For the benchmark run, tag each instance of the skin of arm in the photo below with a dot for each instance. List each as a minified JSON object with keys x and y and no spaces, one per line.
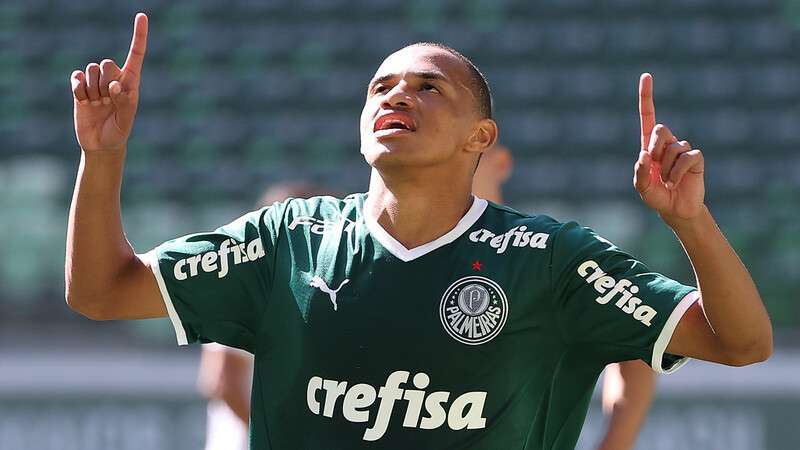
{"x":222,"y":376}
{"x":729,"y":324}
{"x":628,"y":389}
{"x":104,"y":278}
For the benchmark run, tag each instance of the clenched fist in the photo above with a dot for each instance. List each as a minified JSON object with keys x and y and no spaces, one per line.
{"x":669,"y":173}
{"x":105,"y":97}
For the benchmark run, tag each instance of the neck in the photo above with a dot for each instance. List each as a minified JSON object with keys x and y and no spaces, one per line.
{"x":418,"y":210}
{"x":489,"y":191}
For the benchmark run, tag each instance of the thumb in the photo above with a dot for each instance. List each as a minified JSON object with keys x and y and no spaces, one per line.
{"x":123,"y":103}
{"x":641,"y":172}
{"x":115,"y":92}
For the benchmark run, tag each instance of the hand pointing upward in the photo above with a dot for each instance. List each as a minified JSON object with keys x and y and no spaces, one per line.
{"x":669,"y":173}
{"x":106,"y":97}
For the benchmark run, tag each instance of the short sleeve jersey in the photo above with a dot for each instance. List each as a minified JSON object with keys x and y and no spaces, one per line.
{"x":489,"y":337}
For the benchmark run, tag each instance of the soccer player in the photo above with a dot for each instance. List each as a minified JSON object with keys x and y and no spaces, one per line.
{"x":628,"y":386}
{"x":415,"y":315}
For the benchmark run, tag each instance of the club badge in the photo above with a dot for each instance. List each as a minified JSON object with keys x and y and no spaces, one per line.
{"x":473,"y":310}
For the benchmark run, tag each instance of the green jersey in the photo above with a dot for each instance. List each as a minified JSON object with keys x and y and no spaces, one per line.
{"x":489,"y":337}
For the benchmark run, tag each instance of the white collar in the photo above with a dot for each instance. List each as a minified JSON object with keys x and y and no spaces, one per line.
{"x":401,"y":252}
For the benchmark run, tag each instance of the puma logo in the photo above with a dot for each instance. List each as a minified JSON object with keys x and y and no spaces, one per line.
{"x":318,"y":282}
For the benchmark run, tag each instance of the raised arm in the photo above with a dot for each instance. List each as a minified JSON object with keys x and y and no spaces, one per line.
{"x":729,"y":324}
{"x":105,"y":279}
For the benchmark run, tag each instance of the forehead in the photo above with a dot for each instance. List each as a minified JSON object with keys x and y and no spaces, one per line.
{"x":421,"y":58}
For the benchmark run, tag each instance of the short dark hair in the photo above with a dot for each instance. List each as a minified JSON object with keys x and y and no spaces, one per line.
{"x":477,"y":82}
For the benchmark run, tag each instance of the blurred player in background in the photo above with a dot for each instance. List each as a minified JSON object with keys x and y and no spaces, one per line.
{"x":628,"y":386}
{"x":415,"y":314}
{"x":226,"y":373}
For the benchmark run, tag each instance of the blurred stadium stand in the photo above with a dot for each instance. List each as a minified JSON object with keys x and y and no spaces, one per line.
{"x":237,"y":95}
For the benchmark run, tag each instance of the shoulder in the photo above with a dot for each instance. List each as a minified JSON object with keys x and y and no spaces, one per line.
{"x":502,"y":228}
{"x":546,"y":231}
{"x":319,"y":211}
{"x":504,"y":216}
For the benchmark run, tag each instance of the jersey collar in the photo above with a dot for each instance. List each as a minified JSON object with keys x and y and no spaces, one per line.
{"x":402,"y":253}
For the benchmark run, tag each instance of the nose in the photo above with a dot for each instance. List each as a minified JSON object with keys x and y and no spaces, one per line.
{"x":398,"y":98}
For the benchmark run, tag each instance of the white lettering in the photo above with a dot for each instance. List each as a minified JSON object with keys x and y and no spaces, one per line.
{"x":602,"y":284}
{"x":591,"y":272}
{"x":193,"y":261}
{"x":314,"y":385}
{"x":515,"y":237}
{"x":333,"y":390}
{"x":180,"y":275}
{"x":456,"y":419}
{"x":631,"y":305}
{"x":359,"y":396}
{"x":539,"y":240}
{"x":223,"y":258}
{"x":415,"y":398}
{"x":217,"y":260}
{"x":209,"y":262}
{"x":644,"y":314}
{"x":619,"y":287}
{"x":465,"y":412}
{"x":583,"y":269}
{"x":436,"y":413}
{"x":255,"y":249}
{"x":388,"y":394}
{"x":518,"y":236}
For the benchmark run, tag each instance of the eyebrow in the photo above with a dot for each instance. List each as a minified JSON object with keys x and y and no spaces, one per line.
{"x":425,"y":75}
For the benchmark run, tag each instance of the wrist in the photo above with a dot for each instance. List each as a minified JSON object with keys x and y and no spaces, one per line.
{"x":108,"y":152}
{"x":113,"y":157}
{"x":694,"y":224}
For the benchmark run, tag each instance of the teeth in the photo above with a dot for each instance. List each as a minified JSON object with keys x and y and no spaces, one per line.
{"x":392,"y":123}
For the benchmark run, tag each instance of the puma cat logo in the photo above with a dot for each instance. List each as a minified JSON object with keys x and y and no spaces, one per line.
{"x":318,"y":282}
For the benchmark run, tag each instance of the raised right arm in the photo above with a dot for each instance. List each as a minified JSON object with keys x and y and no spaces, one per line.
{"x":105,"y":279}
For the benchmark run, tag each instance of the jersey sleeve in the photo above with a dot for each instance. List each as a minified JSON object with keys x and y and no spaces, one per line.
{"x":215,"y":285}
{"x":612,"y":305}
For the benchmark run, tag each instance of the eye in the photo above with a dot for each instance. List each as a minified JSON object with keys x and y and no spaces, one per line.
{"x":379,"y":89}
{"x":429,"y":87}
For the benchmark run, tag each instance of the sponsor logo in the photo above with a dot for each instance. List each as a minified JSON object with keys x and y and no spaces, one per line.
{"x":473,"y":310}
{"x":515,"y":237}
{"x":608,"y":288}
{"x":319,"y":226}
{"x":320,"y":284}
{"x":464,"y":412}
{"x":218,"y":260}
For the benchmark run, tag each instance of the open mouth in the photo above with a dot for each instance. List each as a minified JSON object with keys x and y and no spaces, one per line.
{"x":393,"y":123}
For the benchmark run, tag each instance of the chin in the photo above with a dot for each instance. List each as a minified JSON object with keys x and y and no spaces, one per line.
{"x":382,"y":156}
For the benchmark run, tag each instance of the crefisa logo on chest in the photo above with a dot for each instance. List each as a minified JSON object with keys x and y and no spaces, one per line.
{"x":473,"y":310}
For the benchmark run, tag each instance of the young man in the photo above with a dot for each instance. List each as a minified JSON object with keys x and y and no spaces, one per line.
{"x":416,"y":315}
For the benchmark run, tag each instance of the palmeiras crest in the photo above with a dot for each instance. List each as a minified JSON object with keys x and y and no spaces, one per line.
{"x":473,"y":310}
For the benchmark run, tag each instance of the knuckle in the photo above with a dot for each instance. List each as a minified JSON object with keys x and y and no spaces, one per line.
{"x":673,"y":149}
{"x":661,"y":129}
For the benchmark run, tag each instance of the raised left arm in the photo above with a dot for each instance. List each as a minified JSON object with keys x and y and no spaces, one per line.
{"x":729,"y":323}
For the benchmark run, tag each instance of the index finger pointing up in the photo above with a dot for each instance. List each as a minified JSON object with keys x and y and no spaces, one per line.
{"x":647,"y":110}
{"x":138,"y":46}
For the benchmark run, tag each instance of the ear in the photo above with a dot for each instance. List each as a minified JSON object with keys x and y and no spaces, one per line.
{"x":483,"y":136}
